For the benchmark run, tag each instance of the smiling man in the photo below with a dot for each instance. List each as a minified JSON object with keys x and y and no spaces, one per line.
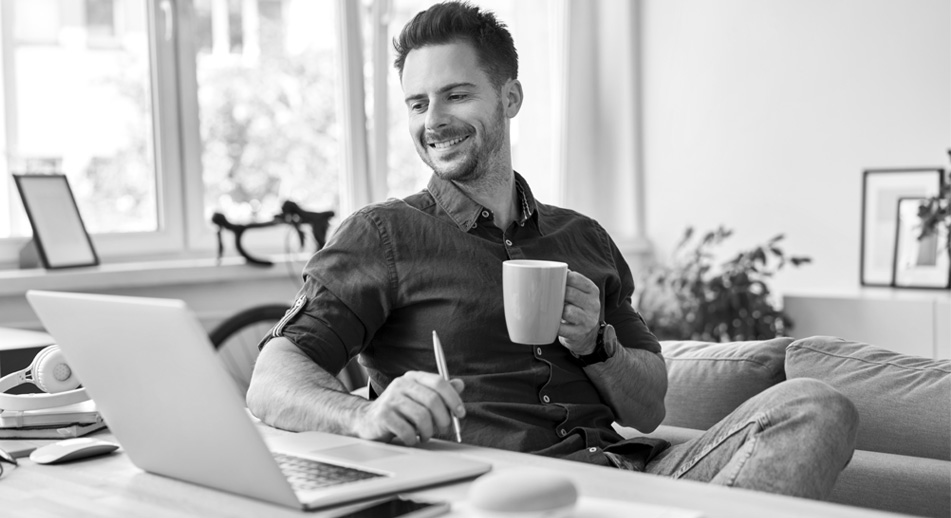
{"x":459,"y":120}
{"x":460,"y":133}
{"x":397,"y":271}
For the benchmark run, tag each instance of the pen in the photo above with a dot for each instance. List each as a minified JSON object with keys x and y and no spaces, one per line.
{"x":444,"y":372}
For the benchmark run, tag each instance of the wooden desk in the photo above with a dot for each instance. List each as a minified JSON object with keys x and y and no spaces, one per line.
{"x":112,"y":486}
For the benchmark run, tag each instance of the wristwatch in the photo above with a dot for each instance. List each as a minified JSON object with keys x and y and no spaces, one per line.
{"x":600,"y":352}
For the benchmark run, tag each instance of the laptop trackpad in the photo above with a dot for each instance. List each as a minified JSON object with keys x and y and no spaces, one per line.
{"x":359,"y":452}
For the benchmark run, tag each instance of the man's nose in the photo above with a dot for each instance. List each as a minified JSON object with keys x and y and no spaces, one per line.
{"x":436,"y":116}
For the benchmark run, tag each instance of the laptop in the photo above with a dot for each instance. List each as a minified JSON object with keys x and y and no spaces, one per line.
{"x":170,"y":402}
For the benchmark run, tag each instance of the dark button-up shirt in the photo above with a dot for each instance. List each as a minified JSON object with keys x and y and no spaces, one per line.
{"x":397,"y":270}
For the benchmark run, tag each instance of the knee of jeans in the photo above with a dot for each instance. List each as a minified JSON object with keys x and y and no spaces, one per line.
{"x":832,"y":409}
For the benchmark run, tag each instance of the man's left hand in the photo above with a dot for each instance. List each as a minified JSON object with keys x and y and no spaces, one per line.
{"x":581,"y":316}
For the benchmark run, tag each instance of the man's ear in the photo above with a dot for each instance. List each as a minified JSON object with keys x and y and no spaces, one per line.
{"x":512,"y":97}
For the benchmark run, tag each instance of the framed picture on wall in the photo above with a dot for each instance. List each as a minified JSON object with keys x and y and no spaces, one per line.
{"x":920,"y":261}
{"x":881,"y":191}
{"x":59,"y":234}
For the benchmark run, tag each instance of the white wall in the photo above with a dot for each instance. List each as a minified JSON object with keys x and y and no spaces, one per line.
{"x":761,"y":115}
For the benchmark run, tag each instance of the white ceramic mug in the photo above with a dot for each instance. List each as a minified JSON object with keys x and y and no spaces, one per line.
{"x":534,"y":298}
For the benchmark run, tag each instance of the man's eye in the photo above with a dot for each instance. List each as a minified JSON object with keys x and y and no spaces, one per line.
{"x":417,"y":107}
{"x":457,"y":97}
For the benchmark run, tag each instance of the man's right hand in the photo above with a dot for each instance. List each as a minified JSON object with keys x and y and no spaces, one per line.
{"x":414,"y":408}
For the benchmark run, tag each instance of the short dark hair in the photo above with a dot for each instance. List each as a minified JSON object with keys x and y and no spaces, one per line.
{"x":448,"y":22}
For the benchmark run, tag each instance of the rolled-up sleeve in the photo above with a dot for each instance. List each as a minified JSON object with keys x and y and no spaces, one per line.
{"x":346,"y":295}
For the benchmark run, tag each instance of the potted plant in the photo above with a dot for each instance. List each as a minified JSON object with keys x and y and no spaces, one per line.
{"x":693,"y":298}
{"x":935,"y":212}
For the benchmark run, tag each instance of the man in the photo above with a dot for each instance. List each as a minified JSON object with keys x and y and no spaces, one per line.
{"x":396,"y":271}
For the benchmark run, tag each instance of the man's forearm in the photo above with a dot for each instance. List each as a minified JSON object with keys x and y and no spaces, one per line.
{"x":291,"y":392}
{"x":634,"y":383}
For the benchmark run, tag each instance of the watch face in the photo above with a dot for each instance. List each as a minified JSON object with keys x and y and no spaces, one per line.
{"x":600,"y":341}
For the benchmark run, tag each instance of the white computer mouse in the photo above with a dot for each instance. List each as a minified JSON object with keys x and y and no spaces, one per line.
{"x":522,"y":493}
{"x":72,"y":449}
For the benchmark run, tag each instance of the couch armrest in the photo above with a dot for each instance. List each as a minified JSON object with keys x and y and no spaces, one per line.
{"x":884,"y":481}
{"x":896,"y":483}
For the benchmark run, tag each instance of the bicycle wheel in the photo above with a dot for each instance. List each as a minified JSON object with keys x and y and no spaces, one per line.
{"x":237,"y":338}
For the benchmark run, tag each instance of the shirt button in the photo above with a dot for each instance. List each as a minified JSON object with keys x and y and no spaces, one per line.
{"x":546,"y":399}
{"x":539,"y":351}
{"x":474,"y":225}
{"x":592,"y":449}
{"x":485,"y":214}
{"x":562,"y":432}
{"x":508,"y":242}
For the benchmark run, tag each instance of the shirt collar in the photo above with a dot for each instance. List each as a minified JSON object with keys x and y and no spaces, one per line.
{"x":464,"y":211}
{"x":527,"y":198}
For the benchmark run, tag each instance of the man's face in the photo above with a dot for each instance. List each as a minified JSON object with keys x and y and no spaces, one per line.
{"x":456,"y":117}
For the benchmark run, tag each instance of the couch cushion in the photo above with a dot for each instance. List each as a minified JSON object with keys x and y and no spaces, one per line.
{"x":707,"y":381}
{"x":904,"y":402}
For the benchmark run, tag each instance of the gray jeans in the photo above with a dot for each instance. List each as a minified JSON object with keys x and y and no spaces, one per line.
{"x":792,"y":439}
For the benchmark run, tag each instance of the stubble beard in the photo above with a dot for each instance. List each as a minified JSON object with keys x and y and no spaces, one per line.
{"x":478,"y":163}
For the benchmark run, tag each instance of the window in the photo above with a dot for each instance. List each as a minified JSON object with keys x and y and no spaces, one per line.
{"x":162,"y":112}
{"x":267,"y":106}
{"x":100,"y":22}
{"x":80,"y":110}
{"x":87,"y":100}
{"x":96,"y":90}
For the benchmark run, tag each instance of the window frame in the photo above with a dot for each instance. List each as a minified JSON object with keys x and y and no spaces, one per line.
{"x":182,"y":227}
{"x":169,"y":236}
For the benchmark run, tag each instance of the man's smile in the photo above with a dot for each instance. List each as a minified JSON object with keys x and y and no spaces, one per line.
{"x":446,"y":144}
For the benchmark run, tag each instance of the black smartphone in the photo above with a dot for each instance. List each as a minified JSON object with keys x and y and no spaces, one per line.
{"x":401,"y":507}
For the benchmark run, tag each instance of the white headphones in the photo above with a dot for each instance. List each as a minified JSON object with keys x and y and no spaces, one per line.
{"x":49,"y":373}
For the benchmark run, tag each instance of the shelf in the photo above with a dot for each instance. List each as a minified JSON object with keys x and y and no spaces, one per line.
{"x":213,"y":290}
{"x":145,"y":274}
{"x":916,"y":322}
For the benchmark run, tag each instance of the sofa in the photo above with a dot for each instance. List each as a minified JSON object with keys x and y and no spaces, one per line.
{"x":902,"y":461}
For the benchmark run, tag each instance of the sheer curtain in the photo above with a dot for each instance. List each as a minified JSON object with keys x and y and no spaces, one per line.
{"x":358,"y":189}
{"x":601,"y":129}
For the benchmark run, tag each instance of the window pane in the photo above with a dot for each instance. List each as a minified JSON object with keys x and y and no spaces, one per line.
{"x":77,"y":100}
{"x":267,"y":105}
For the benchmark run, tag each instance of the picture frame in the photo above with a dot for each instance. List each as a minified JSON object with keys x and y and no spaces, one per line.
{"x":919,"y":262}
{"x":881,"y":190}
{"x":59,"y":233}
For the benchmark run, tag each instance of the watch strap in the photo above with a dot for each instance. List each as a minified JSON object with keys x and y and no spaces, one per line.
{"x":599,"y":354}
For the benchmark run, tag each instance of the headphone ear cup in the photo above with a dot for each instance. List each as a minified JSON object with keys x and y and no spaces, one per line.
{"x":51,"y":373}
{"x":34,"y":369}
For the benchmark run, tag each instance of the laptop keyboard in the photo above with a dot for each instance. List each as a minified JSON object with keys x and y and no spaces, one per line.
{"x":306,"y":474}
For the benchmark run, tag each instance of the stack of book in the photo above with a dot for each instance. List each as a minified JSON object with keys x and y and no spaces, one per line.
{"x":51,"y":423}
